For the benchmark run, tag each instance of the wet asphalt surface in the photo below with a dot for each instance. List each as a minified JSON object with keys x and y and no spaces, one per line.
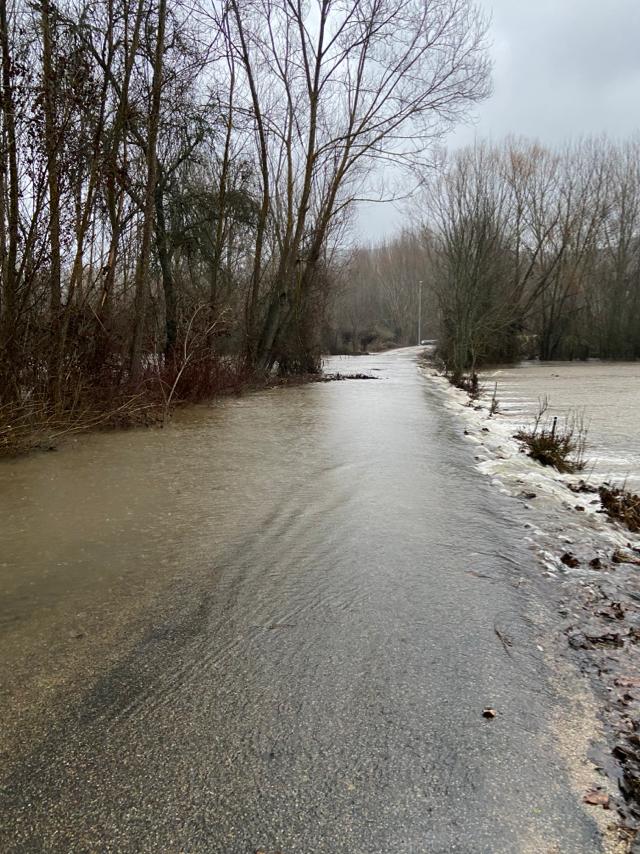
{"x":312,"y":677}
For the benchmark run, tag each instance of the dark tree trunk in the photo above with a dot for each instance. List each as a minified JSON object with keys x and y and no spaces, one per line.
{"x":168,"y":285}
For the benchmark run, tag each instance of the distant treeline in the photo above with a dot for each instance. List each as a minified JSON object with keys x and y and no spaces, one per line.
{"x":376,"y":298}
{"x":522,"y":251}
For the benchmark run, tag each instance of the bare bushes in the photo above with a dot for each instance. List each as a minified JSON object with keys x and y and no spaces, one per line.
{"x":467,"y":382}
{"x":34,"y":423}
{"x":509,"y":280}
{"x":561,"y":446}
{"x":31,"y":424}
{"x":93,"y":390}
{"x":494,"y":406}
{"x":622,"y":505}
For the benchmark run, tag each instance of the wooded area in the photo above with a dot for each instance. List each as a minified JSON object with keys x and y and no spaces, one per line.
{"x":175,"y":180}
{"x":521,"y":251}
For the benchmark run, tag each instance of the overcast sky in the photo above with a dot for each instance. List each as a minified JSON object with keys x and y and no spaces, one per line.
{"x":562,"y":69}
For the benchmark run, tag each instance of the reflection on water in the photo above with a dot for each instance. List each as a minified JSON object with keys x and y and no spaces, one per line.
{"x":272,"y":623}
{"x":274,"y":491}
{"x":608,"y":393}
{"x":285,"y":500}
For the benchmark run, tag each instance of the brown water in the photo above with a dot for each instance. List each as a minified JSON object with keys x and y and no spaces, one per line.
{"x":606,"y":394}
{"x":91,"y":533}
{"x":274,"y":625}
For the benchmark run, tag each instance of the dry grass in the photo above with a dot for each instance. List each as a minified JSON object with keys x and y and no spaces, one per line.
{"x":560,"y":446}
{"x":622,"y":505}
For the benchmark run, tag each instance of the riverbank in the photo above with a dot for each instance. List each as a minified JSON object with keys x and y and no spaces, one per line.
{"x":42,"y":418}
{"x":590,"y":559}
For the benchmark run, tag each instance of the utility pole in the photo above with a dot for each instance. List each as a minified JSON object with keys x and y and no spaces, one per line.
{"x":419,"y":312}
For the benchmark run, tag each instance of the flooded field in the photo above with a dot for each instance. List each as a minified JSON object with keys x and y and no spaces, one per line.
{"x":605,"y":394}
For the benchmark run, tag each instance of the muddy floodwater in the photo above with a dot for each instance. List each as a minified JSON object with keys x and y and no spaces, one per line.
{"x":274,"y":625}
{"x":605,"y":394}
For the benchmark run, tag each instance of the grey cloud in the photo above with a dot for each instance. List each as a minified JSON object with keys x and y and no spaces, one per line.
{"x":562,"y":69}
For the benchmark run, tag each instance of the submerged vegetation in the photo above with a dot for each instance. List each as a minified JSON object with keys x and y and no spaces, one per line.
{"x":467,"y":382}
{"x":558,"y":445}
{"x":33,"y":424}
{"x":622,"y":505}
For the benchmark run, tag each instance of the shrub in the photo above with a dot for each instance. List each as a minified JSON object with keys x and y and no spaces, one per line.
{"x":27,"y":425}
{"x":622,"y":505}
{"x":494,"y":406}
{"x":467,"y":382}
{"x":560,"y":446}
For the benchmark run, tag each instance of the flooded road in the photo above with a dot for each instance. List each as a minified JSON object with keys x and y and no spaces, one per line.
{"x":273,"y":626}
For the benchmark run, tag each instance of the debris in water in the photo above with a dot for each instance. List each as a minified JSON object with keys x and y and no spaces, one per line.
{"x":582,"y":486}
{"x":623,"y":557}
{"x":615,"y":611}
{"x":613,"y":639}
{"x":338,"y":377}
{"x":622,"y":505}
{"x":489,"y":713}
{"x":504,"y":639}
{"x":627,"y":681}
{"x":593,"y":635}
{"x":596,"y":797}
{"x":479,"y":574}
{"x":577,"y":639}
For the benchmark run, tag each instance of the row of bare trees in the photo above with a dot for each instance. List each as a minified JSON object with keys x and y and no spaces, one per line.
{"x":537,"y":248}
{"x":379,"y":296}
{"x":528,"y":251}
{"x":177,"y":178}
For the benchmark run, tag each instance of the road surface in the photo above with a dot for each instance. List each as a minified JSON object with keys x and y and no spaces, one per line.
{"x":274,"y":627}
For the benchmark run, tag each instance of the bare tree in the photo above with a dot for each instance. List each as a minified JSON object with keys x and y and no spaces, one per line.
{"x":9,"y":215}
{"x":342,"y":87}
{"x":531,"y":245}
{"x":142,"y":267}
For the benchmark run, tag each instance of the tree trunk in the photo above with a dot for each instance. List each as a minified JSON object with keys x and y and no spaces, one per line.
{"x":142,"y":266}
{"x":51,"y":147}
{"x":10,"y":214}
{"x":168,"y":285}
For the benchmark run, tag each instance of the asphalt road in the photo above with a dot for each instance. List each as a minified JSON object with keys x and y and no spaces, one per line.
{"x":286,"y":646}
